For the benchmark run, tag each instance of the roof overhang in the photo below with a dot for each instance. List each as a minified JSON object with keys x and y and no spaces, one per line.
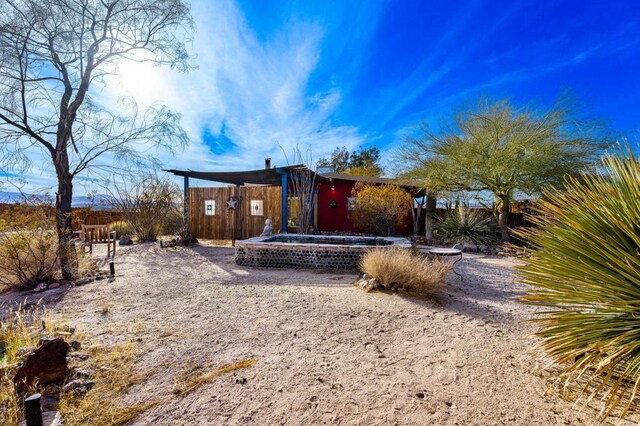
{"x":271,"y":176}
{"x":416,"y":190}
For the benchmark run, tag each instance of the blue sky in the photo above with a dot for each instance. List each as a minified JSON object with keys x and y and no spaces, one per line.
{"x":273,"y":74}
{"x":396,"y":63}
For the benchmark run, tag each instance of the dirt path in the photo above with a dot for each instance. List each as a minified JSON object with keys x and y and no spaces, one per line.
{"x":325,"y":351}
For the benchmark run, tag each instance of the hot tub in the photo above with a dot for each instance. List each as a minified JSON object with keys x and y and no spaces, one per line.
{"x":310,"y":251}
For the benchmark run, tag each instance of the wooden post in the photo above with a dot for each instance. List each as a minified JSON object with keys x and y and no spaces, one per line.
{"x":32,"y":410}
{"x":284,"y":203}
{"x":311,"y":207}
{"x":186,"y":200}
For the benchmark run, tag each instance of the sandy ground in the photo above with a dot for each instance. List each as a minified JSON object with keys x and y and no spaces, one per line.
{"x":325,"y":351}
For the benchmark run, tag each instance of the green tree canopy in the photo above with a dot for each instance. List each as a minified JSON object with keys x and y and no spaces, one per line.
{"x":499,"y":148}
{"x":363,"y":162}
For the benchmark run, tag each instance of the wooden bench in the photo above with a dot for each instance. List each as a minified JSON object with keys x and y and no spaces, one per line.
{"x":98,"y":234}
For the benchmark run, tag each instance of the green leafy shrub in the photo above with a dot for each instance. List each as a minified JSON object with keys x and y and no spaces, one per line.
{"x":400,"y":268}
{"x":468,"y":226}
{"x":586,"y":272}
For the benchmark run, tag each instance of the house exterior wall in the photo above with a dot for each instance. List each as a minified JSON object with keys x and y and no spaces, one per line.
{"x":337,"y":219}
{"x":238,"y":223}
{"x":334,"y":219}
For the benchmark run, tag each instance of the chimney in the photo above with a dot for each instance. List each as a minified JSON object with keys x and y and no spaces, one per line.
{"x":267,"y":163}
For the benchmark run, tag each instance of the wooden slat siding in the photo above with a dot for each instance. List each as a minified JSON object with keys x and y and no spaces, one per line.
{"x":221,"y":225}
{"x":252,"y":226}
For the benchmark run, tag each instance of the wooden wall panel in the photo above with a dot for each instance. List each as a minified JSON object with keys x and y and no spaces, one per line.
{"x":228,"y":224}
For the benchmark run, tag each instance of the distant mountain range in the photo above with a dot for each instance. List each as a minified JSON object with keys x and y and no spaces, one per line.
{"x":97,"y":202}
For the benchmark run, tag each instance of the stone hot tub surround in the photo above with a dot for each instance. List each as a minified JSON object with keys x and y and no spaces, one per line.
{"x":310,"y":251}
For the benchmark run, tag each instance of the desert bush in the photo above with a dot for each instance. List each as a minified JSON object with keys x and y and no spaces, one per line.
{"x":18,"y":329}
{"x":468,"y":226}
{"x":121,"y":227}
{"x":29,"y":251}
{"x":409,"y":272}
{"x":111,"y":368}
{"x":173,"y":223}
{"x":585,"y":270}
{"x":148,"y":206}
{"x":380,"y":208}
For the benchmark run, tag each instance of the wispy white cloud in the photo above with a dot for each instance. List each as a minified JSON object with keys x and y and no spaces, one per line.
{"x":252,"y":92}
{"x":247,"y":98}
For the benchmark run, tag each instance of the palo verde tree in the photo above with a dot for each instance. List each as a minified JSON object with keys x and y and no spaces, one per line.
{"x":52,"y":53}
{"x":504,"y":150}
{"x":363,"y":162}
{"x":426,"y":175}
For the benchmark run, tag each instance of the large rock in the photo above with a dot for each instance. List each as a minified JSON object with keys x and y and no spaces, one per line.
{"x":47,"y":364}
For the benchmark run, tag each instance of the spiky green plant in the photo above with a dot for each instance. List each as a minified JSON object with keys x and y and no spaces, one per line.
{"x":468,"y":226}
{"x":586,"y":272}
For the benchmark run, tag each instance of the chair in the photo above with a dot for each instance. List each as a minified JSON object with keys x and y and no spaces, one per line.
{"x":98,"y":234}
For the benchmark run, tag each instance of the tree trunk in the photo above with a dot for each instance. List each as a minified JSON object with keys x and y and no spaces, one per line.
{"x":416,"y":213}
{"x":430,"y":219}
{"x":63,"y":217}
{"x":503,"y":218}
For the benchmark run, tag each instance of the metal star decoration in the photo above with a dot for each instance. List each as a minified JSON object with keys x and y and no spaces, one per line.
{"x":232,"y":203}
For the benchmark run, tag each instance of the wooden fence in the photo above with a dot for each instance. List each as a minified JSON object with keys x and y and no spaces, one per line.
{"x":211,"y":217}
{"x":79,"y":216}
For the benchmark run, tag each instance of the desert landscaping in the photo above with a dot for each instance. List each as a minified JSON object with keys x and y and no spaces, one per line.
{"x":319,"y":213}
{"x":324,"y":350}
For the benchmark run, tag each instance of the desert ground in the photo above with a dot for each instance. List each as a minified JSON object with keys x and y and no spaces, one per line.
{"x":325,"y":351}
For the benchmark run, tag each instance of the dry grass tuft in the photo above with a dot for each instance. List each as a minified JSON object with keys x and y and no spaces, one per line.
{"x":404,"y":270}
{"x":114,"y":374}
{"x":112,"y":370}
{"x":21,"y":328}
{"x":105,"y":307}
{"x":192,"y":382}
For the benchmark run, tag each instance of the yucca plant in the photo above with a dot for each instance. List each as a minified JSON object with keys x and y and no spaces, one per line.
{"x":585,"y":271}
{"x":468,"y":226}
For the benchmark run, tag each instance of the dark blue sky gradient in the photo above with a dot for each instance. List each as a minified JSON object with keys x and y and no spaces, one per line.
{"x":400,"y":62}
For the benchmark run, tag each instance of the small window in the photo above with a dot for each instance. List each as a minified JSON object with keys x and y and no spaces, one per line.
{"x":351,"y":203}
{"x":209,"y":207}
{"x":257,"y":208}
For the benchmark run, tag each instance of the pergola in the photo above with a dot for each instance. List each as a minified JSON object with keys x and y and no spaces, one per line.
{"x":274,"y":176}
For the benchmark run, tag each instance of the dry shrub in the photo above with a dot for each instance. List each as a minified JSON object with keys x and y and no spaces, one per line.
{"x":122,"y":228}
{"x":173,"y":223}
{"x":112,"y":369}
{"x":149,"y":206}
{"x":400,"y":268}
{"x":380,"y":209}
{"x":28,"y":247}
{"x":114,"y":374}
{"x":20,"y":328}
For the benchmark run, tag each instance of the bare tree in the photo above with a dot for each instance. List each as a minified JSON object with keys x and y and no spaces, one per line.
{"x":148,"y":204}
{"x":303,"y":189}
{"x":51,"y":53}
